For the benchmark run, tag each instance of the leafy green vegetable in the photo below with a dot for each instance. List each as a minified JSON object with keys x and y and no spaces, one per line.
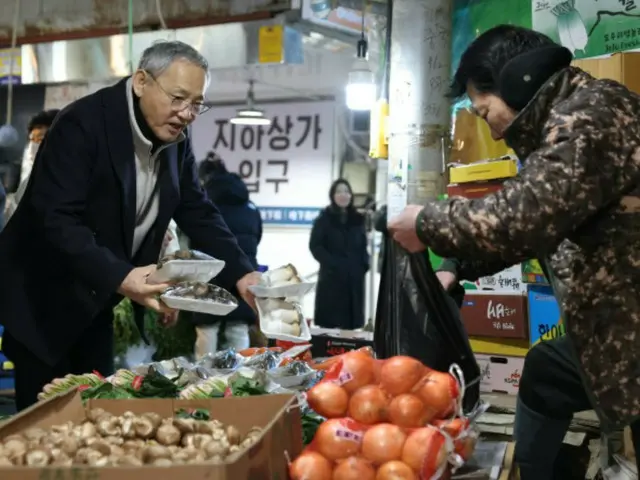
{"x":155,"y":385}
{"x":310,"y":423}
{"x":245,"y":387}
{"x":107,"y":391}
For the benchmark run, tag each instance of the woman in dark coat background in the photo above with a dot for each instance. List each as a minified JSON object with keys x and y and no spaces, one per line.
{"x":339,"y":244}
{"x":230,"y":194}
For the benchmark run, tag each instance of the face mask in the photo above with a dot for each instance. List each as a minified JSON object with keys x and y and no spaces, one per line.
{"x":31,"y":150}
{"x":343,"y":200}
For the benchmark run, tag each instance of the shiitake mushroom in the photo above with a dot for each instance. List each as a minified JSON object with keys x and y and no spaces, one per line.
{"x":104,"y":439}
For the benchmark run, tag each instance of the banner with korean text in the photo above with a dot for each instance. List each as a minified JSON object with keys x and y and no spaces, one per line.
{"x":287,"y":165}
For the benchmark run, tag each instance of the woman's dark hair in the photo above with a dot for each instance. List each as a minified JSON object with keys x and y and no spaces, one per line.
{"x":334,"y":187}
{"x":483,"y":60}
{"x":42,"y":119}
{"x":210,"y":166}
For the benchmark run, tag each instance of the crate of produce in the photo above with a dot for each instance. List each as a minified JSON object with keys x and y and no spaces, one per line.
{"x":502,"y":168}
{"x":500,"y":374}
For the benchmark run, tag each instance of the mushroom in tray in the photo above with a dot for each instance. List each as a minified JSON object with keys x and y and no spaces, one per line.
{"x":183,"y":255}
{"x":201,"y":291}
{"x":283,"y":317}
{"x":279,"y":277}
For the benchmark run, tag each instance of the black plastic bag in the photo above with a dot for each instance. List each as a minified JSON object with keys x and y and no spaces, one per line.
{"x":416,"y":317}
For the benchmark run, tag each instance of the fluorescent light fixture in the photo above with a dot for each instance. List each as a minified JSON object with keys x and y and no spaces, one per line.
{"x":250,"y":115}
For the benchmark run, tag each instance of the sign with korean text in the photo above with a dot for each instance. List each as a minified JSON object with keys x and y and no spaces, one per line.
{"x":286,"y":166}
{"x":589,"y":28}
{"x":10,"y":66}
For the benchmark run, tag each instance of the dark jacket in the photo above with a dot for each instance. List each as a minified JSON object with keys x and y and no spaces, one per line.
{"x":230,"y":195}
{"x":575,"y":206}
{"x":67,"y":248}
{"x":340,"y":247}
{"x":3,"y":204}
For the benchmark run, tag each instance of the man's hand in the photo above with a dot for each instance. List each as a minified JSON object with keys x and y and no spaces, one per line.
{"x":243,"y":285}
{"x":403,"y":229}
{"x":447,"y":280}
{"x":136,"y":288}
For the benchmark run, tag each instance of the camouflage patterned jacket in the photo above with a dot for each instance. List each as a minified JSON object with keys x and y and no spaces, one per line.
{"x":576,"y":207}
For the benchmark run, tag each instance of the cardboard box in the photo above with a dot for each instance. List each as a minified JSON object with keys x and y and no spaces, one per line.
{"x":473,"y":189}
{"x":501,"y":168}
{"x":532,"y":273}
{"x":278,"y":415}
{"x":491,"y":315}
{"x":507,"y":282}
{"x":545,"y":322}
{"x":500,"y":374}
{"x":510,"y":347}
{"x":327,"y":342}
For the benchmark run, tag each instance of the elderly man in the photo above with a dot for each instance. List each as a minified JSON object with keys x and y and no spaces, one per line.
{"x":113,"y":170}
{"x":575,"y":206}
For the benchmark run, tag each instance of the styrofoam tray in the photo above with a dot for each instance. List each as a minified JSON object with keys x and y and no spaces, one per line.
{"x":198,"y":306}
{"x":289,"y":381}
{"x":187,"y":271}
{"x":305,"y":333}
{"x":297,"y":290}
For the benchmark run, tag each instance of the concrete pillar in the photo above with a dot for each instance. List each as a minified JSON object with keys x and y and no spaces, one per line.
{"x":419,"y":111}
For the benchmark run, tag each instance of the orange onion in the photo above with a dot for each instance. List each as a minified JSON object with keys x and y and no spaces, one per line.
{"x":310,"y":466}
{"x":383,"y":443}
{"x":368,"y":405}
{"x":400,"y":374}
{"x":328,"y":399}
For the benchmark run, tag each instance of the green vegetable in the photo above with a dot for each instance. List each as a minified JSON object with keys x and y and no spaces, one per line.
{"x":310,"y":423}
{"x":195,"y":413}
{"x":107,"y":391}
{"x":154,"y":385}
{"x":245,"y":387}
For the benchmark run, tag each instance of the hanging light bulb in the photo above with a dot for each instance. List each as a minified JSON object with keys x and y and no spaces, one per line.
{"x":361,"y":86}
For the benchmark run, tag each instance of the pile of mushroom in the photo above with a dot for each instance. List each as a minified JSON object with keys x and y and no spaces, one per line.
{"x":104,"y":439}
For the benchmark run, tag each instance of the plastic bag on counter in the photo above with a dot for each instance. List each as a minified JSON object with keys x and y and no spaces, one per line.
{"x":199,"y":297}
{"x":344,"y":448}
{"x":283,"y":320}
{"x":282,"y":282}
{"x":186,"y":266}
{"x":294,"y":374}
{"x":263,"y":361}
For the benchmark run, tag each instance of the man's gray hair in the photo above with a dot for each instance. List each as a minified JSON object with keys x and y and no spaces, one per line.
{"x":157,"y":58}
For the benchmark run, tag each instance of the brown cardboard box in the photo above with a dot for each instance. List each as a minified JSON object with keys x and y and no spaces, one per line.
{"x":489,"y":315}
{"x":500,"y":374}
{"x":473,"y":189}
{"x":278,"y":415}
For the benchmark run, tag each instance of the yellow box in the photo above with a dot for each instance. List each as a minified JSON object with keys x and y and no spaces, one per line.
{"x":505,"y":167}
{"x":7,"y":365}
{"x":509,"y":347}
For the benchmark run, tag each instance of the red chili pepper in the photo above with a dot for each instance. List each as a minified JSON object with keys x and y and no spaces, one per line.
{"x":228,"y":392}
{"x":99,"y":375}
{"x":82,"y":388}
{"x":137,"y":382}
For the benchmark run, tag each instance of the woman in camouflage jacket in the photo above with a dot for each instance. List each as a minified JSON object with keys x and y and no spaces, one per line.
{"x":575,"y":206}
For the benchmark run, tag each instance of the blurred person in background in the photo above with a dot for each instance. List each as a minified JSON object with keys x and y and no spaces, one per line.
{"x":575,"y":206}
{"x":339,"y":243}
{"x":230,"y":195}
{"x":114,"y":168}
{"x":37,"y":129}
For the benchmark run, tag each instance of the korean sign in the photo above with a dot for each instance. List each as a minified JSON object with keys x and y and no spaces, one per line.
{"x":589,"y":28}
{"x":286,"y":166}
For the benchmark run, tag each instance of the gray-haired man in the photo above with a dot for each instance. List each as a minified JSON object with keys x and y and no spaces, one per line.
{"x":115,"y":167}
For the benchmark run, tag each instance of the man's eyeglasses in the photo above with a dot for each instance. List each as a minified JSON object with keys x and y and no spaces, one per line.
{"x":180,"y":104}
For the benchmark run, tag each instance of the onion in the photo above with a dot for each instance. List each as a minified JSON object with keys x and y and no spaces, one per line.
{"x":400,"y":374}
{"x":395,"y":470}
{"x":354,"y":468}
{"x":439,"y":392}
{"x":328,"y":399}
{"x":338,"y":438}
{"x":425,"y":451}
{"x":310,"y":466}
{"x":356,"y":372}
{"x":368,"y":405}
{"x":408,"y":411}
{"x":383,"y":443}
